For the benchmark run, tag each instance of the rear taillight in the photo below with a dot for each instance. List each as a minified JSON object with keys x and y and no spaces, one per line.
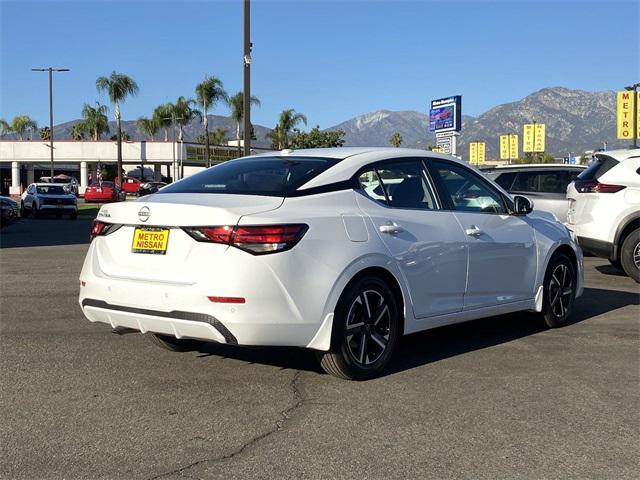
{"x":255,"y":239}
{"x":593,"y":186}
{"x":100,"y":229}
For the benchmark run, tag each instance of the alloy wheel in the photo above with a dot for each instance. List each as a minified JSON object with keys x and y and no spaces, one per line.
{"x":560,"y":290}
{"x":368,"y":327}
{"x":636,"y":256}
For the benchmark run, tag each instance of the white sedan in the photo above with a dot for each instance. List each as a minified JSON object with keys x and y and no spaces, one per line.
{"x":337,"y":250}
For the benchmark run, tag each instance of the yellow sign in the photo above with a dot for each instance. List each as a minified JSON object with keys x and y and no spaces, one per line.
{"x":538,"y":137}
{"x":625,"y":115}
{"x":476,"y":153}
{"x":150,"y":240}
{"x":437,"y":150}
{"x":509,"y":146}
{"x":504,"y":147}
{"x":513,"y":146}
{"x":533,"y":137}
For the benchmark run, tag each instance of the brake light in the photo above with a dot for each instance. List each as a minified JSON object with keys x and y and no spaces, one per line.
{"x":255,"y":239}
{"x":100,"y":229}
{"x":593,"y":186}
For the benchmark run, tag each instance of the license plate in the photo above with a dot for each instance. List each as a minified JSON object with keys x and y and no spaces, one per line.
{"x":150,"y":240}
{"x":60,"y":205}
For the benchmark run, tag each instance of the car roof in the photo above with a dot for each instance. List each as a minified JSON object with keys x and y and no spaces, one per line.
{"x":534,"y":165}
{"x":621,"y":154}
{"x":351,"y":159}
{"x":47,"y":184}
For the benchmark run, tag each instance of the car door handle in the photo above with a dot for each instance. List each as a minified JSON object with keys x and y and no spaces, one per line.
{"x":473,"y":231}
{"x":391,"y":228}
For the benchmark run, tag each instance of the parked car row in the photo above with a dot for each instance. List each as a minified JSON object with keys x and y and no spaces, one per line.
{"x":599,"y":203}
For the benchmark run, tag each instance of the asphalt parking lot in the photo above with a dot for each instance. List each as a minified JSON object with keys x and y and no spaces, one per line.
{"x":496,"y":398}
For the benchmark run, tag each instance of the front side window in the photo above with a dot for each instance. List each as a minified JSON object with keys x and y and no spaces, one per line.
{"x":467,"y":191}
{"x":399,"y":185}
{"x":269,"y":176}
{"x":51,"y":189}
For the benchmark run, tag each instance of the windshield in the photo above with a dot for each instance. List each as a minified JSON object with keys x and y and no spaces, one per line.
{"x":102,"y":184}
{"x":269,"y":176}
{"x":51,"y":190}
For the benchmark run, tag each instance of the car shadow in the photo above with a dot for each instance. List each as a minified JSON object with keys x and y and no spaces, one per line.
{"x":610,"y":270}
{"x":46,"y":231}
{"x":430,"y":346}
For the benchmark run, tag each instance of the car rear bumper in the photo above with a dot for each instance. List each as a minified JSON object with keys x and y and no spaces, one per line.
{"x":175,"y":323}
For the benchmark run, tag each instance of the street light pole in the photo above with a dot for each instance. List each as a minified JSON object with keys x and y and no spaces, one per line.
{"x":50,"y":70}
{"x":246,"y":100}
{"x":634,"y":88}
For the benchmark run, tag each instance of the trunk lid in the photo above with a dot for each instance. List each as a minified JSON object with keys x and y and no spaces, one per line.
{"x":182,"y":260}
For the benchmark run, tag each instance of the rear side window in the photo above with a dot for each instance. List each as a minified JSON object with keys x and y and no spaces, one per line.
{"x":269,"y":176}
{"x":505,"y":180}
{"x":601,"y":165}
{"x":399,"y":185}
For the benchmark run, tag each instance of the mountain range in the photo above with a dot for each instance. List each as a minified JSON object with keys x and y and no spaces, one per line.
{"x":575,"y":121}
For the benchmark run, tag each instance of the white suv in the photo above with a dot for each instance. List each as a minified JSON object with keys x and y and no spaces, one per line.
{"x":604,"y":209}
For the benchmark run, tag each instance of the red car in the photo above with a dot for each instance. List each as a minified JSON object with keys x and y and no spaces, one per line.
{"x":102,"y":192}
{"x":131,"y":185}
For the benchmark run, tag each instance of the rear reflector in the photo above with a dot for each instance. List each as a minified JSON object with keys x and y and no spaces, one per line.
{"x":593,"y":186}
{"x":99,"y":229}
{"x":255,"y":239}
{"x":227,"y":299}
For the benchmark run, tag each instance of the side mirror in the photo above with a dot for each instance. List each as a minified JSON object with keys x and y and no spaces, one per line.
{"x":523,"y":206}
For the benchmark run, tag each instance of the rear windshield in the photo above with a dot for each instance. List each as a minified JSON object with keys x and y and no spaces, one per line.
{"x":51,"y":189}
{"x":601,"y":165}
{"x":102,"y":184}
{"x":270,"y":176}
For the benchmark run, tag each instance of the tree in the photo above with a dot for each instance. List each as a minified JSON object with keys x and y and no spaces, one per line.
{"x":163,"y":116}
{"x":317,"y":138}
{"x":21,"y":124}
{"x":236,"y":104}
{"x":395,"y":139}
{"x":45,"y":133}
{"x":4,"y":127}
{"x":148,"y":126}
{"x":95,"y":120}
{"x":217,"y":137}
{"x":209,"y":92}
{"x":78,"y":131}
{"x":123,"y":136}
{"x":118,"y":86}
{"x":289,"y":119}
{"x":182,"y":114}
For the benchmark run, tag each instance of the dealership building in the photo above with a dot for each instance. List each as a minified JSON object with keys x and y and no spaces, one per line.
{"x":24,"y":162}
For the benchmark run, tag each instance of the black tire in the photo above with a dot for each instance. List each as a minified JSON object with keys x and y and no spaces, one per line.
{"x":34,"y":210}
{"x":630,"y":255}
{"x":73,"y":216}
{"x":560,"y":283}
{"x":616,"y":264}
{"x":174,"y":344}
{"x":365,"y":331}
{"x":22,"y":211}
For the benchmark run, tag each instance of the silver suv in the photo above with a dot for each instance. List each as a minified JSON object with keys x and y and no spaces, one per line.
{"x":545,"y":184}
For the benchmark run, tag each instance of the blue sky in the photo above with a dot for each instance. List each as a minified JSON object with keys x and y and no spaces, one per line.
{"x":331,"y":60}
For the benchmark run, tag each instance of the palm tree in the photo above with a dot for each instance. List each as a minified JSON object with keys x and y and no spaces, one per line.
{"x":95,"y":120}
{"x":209,"y":92}
{"x":236,"y":104}
{"x":21,"y":124}
{"x":45,"y":133}
{"x":395,"y":139}
{"x":163,"y":116}
{"x":148,"y":126}
{"x":4,"y":127}
{"x":118,"y":86}
{"x":183,"y":112}
{"x":78,"y":131}
{"x":289,"y":119}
